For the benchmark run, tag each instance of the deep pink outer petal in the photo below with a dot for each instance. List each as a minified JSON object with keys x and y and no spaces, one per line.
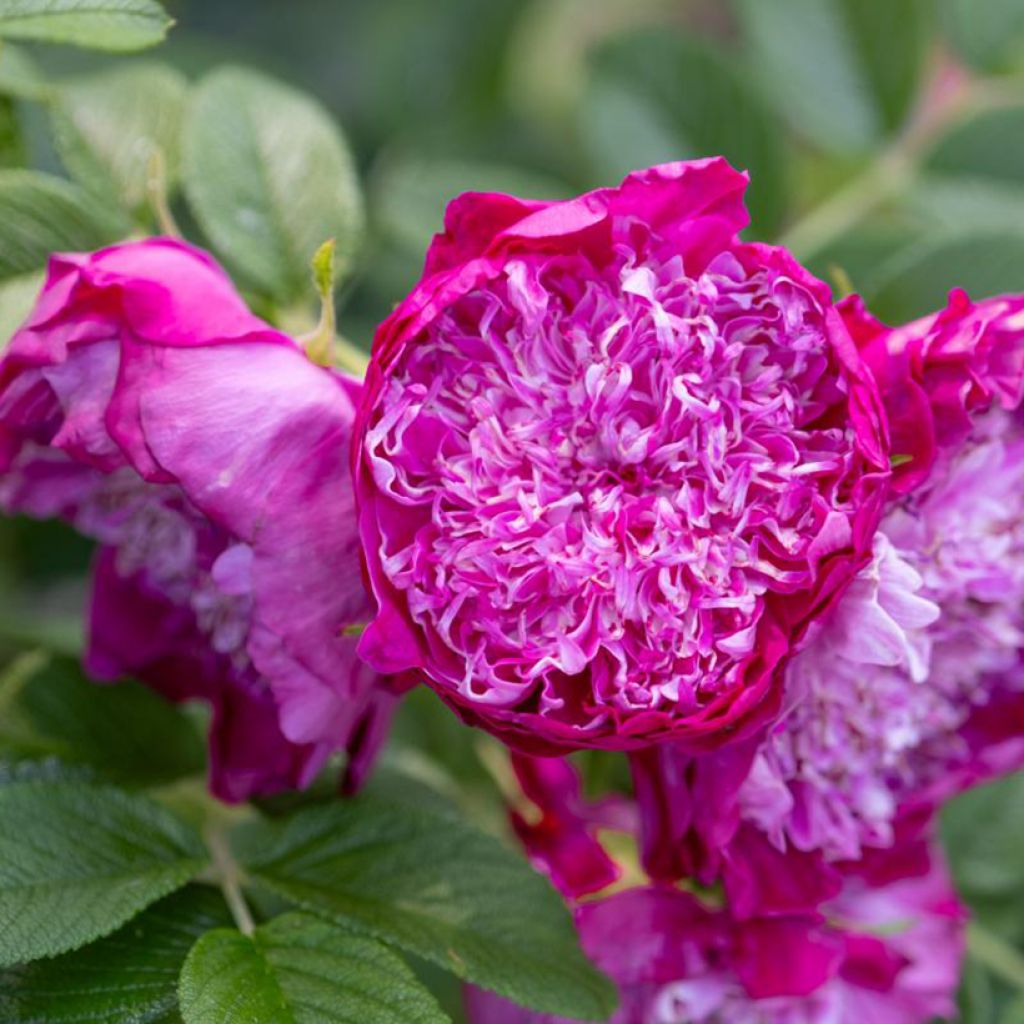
{"x":670,"y":197}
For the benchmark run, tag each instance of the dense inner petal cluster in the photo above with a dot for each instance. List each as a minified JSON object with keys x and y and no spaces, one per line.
{"x":930,"y":630}
{"x":603,"y":474}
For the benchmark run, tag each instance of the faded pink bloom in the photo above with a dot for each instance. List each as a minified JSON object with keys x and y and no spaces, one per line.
{"x":143,"y":403}
{"x":610,"y":463}
{"x":887,"y":950}
{"x":912,"y":685}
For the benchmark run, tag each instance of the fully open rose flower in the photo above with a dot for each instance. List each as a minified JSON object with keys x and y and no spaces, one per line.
{"x":912,"y":685}
{"x":610,"y":463}
{"x":886,"y":950}
{"x":144,"y":404}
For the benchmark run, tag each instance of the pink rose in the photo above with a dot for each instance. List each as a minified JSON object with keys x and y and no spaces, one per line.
{"x":143,"y":403}
{"x":610,"y":463}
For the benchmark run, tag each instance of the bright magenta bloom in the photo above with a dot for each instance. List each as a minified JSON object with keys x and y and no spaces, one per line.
{"x":610,"y":463}
{"x":144,"y":403}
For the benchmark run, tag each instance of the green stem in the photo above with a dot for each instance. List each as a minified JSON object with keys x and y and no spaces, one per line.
{"x":998,"y":956}
{"x":896,"y":167}
{"x":229,"y":877}
{"x":350,"y":358}
{"x":156,"y":191}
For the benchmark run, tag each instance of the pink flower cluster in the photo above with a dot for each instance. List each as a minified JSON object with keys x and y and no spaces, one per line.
{"x":627,"y":482}
{"x":616,"y":479}
{"x":887,"y":949}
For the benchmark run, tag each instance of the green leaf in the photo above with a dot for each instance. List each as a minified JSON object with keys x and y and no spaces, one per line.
{"x":917,"y":280}
{"x":300,"y":970}
{"x":983,"y":833}
{"x":976,"y":1001}
{"x":623,"y":130}
{"x":269,"y":177}
{"x":410,"y":193}
{"x":694,"y":92}
{"x":15,"y":769}
{"x":12,"y":145}
{"x":130,"y":977}
{"x":19,"y":75}
{"x":40,"y":215}
{"x":845,"y":72}
{"x":77,"y":862}
{"x":990,"y":145}
{"x":108,"y":126}
{"x":950,"y":203}
{"x":125,"y":731}
{"x":431,"y":755}
{"x":437,"y":887}
{"x":118,"y":25}
{"x":988,"y":34}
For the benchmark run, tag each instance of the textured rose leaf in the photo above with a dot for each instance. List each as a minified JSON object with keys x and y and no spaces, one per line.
{"x":108,"y":126}
{"x":78,"y":861}
{"x":41,"y":214}
{"x":437,"y":887}
{"x":128,"y":733}
{"x":300,"y":970}
{"x":131,"y":975}
{"x":118,"y":25}
{"x":269,"y":178}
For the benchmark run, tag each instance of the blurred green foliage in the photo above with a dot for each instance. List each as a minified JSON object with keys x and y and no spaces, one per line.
{"x":884,"y":138}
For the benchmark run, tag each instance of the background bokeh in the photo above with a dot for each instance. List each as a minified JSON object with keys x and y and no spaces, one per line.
{"x":884,"y":138}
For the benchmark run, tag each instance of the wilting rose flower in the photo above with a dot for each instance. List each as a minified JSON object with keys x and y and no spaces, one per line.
{"x":145,"y":405}
{"x":887,"y":949}
{"x":912,"y":685}
{"x":610,"y":463}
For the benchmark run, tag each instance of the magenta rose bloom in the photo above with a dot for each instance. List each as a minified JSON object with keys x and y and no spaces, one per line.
{"x":887,"y":950}
{"x":610,"y":462}
{"x":144,"y":404}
